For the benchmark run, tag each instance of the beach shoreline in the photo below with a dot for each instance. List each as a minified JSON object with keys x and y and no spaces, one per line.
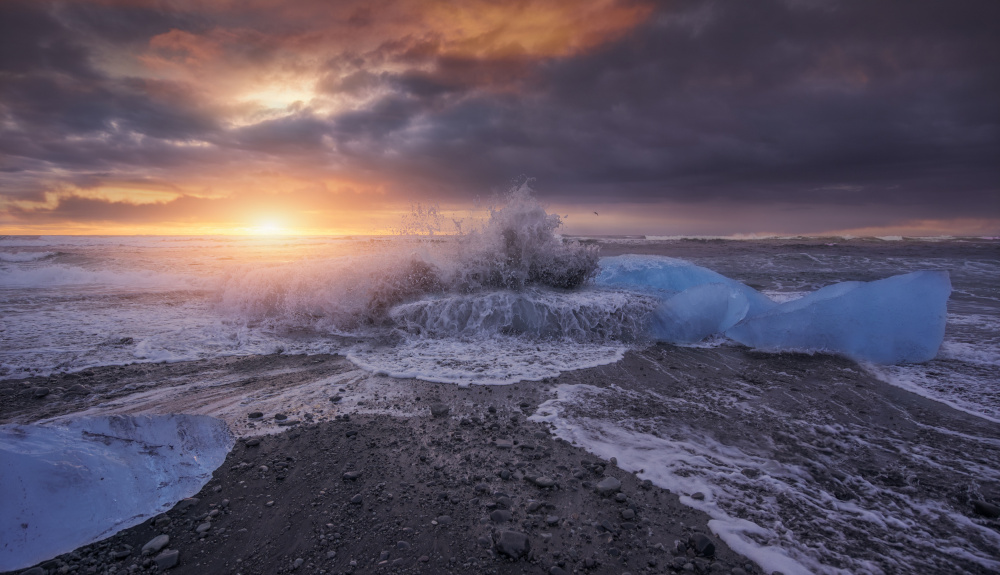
{"x":483,"y":465}
{"x":338,"y":418}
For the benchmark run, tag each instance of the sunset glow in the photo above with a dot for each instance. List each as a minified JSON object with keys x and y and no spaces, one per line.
{"x":684,"y":117}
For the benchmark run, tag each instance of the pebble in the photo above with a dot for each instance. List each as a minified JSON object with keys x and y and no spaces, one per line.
{"x":698,"y":496}
{"x":185,"y":503}
{"x":609,"y":485}
{"x":628,"y":514}
{"x":167,"y":559}
{"x":501,"y":516}
{"x":986,"y":509}
{"x":439,"y":410}
{"x":444,"y":520}
{"x":703,"y":545}
{"x":513,"y":544}
{"x":621,"y":498}
{"x":351,"y":475}
{"x":255,"y":415}
{"x":505,"y":444}
{"x":39,"y":392}
{"x":545,"y":481}
{"x":357,"y":499}
{"x":551,"y":520}
{"x":155,"y":544}
{"x":336,"y":399}
{"x":203,"y":527}
{"x":298,"y":563}
{"x":253,"y":442}
{"x":280,"y":416}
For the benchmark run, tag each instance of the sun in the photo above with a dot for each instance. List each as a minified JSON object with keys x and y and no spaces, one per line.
{"x":268,"y":229}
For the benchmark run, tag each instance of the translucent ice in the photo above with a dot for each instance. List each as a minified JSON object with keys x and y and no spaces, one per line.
{"x":74,"y":483}
{"x":899,"y":319}
{"x":669,"y":276}
{"x":699,"y":312}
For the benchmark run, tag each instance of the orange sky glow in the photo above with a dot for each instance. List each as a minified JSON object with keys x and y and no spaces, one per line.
{"x":315,"y":117}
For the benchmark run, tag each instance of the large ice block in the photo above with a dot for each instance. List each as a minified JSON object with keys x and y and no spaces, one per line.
{"x":899,"y":319}
{"x":699,"y":312}
{"x":69,"y":484}
{"x":670,"y":276}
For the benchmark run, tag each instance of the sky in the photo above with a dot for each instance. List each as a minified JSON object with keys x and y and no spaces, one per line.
{"x":748,"y":117}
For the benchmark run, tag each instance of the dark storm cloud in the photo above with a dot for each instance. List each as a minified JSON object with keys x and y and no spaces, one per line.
{"x":807,"y":102}
{"x":754,"y":100}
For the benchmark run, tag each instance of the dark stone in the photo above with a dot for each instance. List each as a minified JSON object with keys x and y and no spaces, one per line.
{"x":352,"y":475}
{"x":255,"y":415}
{"x":280,"y":416}
{"x":512,"y":544}
{"x":545,"y":481}
{"x":253,"y":442}
{"x":699,"y":496}
{"x":39,"y":392}
{"x":986,"y":509}
{"x":155,"y":544}
{"x":609,"y":485}
{"x":501,"y":516}
{"x":356,"y":499}
{"x":703,"y":545}
{"x":168,"y":559}
{"x":439,"y":410}
{"x":336,"y":399}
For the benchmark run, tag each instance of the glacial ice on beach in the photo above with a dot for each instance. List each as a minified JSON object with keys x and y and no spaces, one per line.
{"x":699,"y":312}
{"x":669,"y":276}
{"x":69,"y":484}
{"x":900,"y":319}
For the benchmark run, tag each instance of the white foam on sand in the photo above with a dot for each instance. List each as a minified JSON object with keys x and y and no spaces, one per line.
{"x":786,"y":512}
{"x":231,"y":397}
{"x":496,"y":360}
{"x":78,"y":481}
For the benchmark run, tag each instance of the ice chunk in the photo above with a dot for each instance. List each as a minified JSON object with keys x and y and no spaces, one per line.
{"x":74,"y":483}
{"x":895,"y":320}
{"x":669,"y":276}
{"x":699,"y":312}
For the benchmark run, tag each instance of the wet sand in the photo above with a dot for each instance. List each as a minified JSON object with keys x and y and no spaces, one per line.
{"x":432,"y":494}
{"x":437,"y":493}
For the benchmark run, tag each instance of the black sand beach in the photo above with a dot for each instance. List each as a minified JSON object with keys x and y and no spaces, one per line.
{"x":458,"y":480}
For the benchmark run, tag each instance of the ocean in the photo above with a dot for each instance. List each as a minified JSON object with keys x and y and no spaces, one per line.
{"x":798,"y":474}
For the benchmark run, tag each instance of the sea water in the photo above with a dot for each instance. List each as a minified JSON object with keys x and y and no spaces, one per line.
{"x":513,"y":300}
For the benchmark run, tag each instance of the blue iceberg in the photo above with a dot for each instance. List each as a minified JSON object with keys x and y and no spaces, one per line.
{"x":670,"y":276}
{"x":72,"y":483}
{"x":900,"y":319}
{"x":699,"y":312}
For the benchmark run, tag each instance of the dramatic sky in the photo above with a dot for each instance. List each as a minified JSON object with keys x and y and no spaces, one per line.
{"x":671,"y":117}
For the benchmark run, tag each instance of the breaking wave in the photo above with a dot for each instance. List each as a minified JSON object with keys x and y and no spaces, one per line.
{"x":513,"y":272}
